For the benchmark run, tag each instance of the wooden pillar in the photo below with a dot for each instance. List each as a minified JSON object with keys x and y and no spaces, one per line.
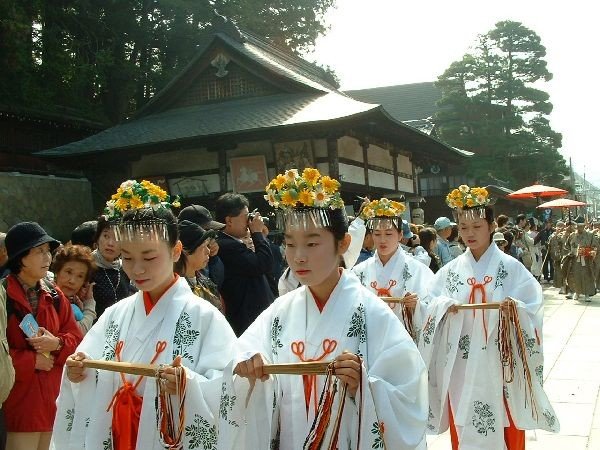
{"x":394,"y":155}
{"x":365,"y":147}
{"x":223,"y":170}
{"x":332,"y":155}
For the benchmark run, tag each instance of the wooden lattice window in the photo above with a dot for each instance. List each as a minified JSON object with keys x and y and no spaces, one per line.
{"x":237,"y":83}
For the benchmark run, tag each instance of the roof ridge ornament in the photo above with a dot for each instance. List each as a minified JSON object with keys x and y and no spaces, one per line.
{"x":220,"y":62}
{"x":222,"y":24}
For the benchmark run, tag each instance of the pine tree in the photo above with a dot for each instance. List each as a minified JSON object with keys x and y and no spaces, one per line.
{"x":492,"y":106}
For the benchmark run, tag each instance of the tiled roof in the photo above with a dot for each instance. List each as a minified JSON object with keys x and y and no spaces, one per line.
{"x":403,"y":102}
{"x":217,"y":119}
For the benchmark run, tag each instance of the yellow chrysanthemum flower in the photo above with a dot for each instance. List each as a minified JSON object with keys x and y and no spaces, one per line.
{"x":135,"y":202}
{"x":306,"y":197}
{"x":287,"y":199}
{"x":122,"y":204}
{"x":470,"y":202}
{"x":311,"y":175}
{"x":329,"y":184}
{"x":279,"y":181}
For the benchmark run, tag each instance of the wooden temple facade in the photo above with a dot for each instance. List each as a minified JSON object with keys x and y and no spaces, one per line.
{"x":241,"y":112}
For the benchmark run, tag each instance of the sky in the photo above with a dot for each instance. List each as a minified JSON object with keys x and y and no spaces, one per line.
{"x":374,"y":43}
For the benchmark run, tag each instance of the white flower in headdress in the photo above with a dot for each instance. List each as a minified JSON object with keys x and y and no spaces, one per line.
{"x":127,"y":184}
{"x":384,"y":202}
{"x":291,"y":174}
{"x":110,"y":207}
{"x":321,"y":197}
{"x":481,"y":199}
{"x":463,"y":188}
{"x":271,"y":198}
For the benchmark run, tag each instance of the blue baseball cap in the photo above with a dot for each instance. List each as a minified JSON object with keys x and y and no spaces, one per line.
{"x":442,"y":222}
{"x":406,"y":233}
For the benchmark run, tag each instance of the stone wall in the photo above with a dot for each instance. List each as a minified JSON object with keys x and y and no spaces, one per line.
{"x":57,"y":204}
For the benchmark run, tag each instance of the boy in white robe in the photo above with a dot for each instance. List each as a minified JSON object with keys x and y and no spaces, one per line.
{"x":163,"y":323}
{"x":391,"y":272}
{"x":330,"y":318}
{"x":486,"y":402}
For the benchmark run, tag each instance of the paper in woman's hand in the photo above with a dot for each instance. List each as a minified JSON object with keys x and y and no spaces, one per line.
{"x":29,"y":326}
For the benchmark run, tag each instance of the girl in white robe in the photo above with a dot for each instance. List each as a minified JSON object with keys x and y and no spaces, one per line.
{"x":331,"y":317}
{"x":469,"y":390}
{"x":163,"y":323}
{"x":391,"y":272}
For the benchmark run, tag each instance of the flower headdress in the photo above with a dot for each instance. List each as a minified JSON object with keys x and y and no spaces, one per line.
{"x":383,"y":213}
{"x":469,"y":199}
{"x":145,"y":197}
{"x":303,"y":199}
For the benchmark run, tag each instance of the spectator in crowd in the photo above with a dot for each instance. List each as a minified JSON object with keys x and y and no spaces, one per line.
{"x":111,"y":284}
{"x":196,"y":247}
{"x":411,"y":244}
{"x":277,"y":270}
{"x":73,"y":268}
{"x":368,"y":247}
{"x":428,"y":238}
{"x":501,"y":221}
{"x":509,"y":248}
{"x":84,"y":234}
{"x":536,"y":250}
{"x":443,"y":227}
{"x":542,"y":238}
{"x":203,"y":218}
{"x":455,"y":247}
{"x":500,"y":241}
{"x":7,"y":371}
{"x":245,"y":290}
{"x":39,"y":358}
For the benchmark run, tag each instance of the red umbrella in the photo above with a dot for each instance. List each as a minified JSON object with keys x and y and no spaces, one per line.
{"x":537,"y":191}
{"x":561,"y":203}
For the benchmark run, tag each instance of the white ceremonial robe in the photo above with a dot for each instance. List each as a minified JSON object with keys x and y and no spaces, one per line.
{"x":392,"y":396}
{"x":401,"y":274}
{"x":464,"y":363}
{"x":191,"y":328}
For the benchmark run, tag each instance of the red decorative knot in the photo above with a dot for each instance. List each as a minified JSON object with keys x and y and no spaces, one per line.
{"x":310,"y":381}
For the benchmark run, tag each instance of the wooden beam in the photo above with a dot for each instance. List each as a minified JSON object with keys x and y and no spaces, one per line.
{"x":365,"y":148}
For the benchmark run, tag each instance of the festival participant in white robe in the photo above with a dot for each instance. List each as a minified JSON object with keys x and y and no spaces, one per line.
{"x":330,"y":318}
{"x":485,"y":387}
{"x":391,"y":272}
{"x":163,"y":323}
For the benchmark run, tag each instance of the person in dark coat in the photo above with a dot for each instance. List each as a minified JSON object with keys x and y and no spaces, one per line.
{"x":245,"y":290}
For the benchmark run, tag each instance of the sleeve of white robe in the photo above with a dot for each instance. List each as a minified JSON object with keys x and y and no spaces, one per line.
{"x":248,"y":422}
{"x":397,"y":380}
{"x":356,"y":230}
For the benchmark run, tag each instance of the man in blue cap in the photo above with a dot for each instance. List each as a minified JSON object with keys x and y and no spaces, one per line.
{"x":443,"y":227}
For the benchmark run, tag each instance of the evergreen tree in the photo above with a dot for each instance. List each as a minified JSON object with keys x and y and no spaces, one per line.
{"x":106,"y":58}
{"x":493,"y":107}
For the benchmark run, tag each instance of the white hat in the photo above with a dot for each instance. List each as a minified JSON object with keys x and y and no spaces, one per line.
{"x":498,"y":237}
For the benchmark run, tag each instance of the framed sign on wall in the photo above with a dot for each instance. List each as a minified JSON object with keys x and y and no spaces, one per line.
{"x":294,"y":155}
{"x":248,"y":173}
